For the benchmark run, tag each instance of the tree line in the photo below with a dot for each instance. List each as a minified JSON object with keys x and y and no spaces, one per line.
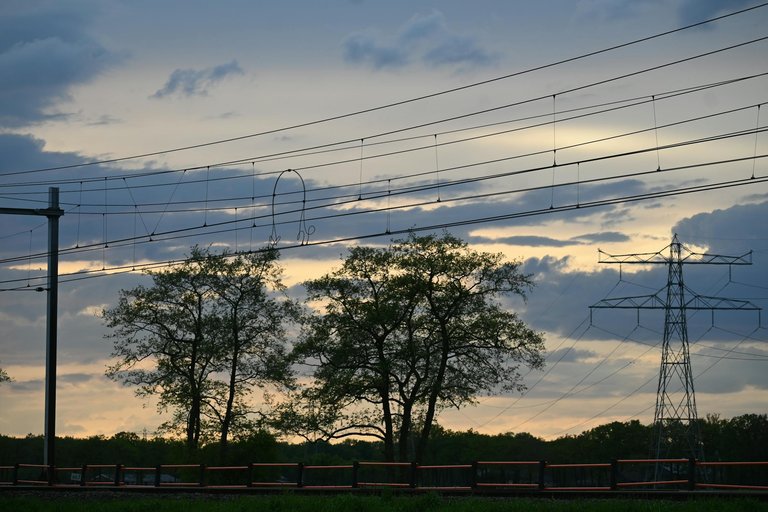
{"x":742,"y":438}
{"x":380,"y":346}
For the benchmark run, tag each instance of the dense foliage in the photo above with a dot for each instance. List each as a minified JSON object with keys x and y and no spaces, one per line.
{"x":742,"y":438}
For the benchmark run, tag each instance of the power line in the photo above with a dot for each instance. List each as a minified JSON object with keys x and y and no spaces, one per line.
{"x":194,"y":230}
{"x":543,"y":211}
{"x":155,"y":236}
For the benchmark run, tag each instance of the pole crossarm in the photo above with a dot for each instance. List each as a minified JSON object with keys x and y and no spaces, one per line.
{"x":45,"y":212}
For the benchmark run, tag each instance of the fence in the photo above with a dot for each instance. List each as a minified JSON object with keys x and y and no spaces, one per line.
{"x":482,"y":476}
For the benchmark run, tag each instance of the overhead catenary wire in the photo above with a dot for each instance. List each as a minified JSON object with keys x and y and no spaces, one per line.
{"x":445,"y":225}
{"x":193,"y":229}
{"x":447,"y":184}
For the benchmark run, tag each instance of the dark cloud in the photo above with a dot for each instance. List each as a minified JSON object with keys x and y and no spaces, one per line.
{"x":544,"y":241}
{"x":530,"y":241}
{"x":734,"y":230}
{"x":693,"y":11}
{"x":43,"y":54}
{"x":459,"y":50}
{"x":23,"y":152}
{"x":105,"y":120}
{"x":607,"y":236}
{"x":197,"y":82}
{"x":76,"y":378}
{"x":424,"y":37}
{"x":27,"y":386}
{"x":363,"y":49}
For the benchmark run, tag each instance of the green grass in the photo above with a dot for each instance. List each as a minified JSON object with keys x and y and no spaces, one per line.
{"x":350,"y":503}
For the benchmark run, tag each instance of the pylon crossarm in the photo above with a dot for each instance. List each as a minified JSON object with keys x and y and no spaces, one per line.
{"x":638,"y":258}
{"x":636,"y":302}
{"x":703,"y":302}
{"x":700,"y":258}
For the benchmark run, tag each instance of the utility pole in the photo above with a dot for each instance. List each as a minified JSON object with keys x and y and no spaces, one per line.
{"x":53,"y":212}
{"x":675,"y":396}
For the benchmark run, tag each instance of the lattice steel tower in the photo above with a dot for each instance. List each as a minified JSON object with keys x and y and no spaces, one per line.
{"x":675,"y":414}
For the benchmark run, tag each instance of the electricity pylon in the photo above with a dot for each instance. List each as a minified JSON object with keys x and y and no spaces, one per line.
{"x":675,"y":396}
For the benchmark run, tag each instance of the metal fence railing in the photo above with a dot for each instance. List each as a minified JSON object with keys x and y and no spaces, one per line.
{"x":636,"y":475}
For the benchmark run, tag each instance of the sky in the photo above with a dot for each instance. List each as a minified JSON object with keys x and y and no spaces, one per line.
{"x":527,"y":128}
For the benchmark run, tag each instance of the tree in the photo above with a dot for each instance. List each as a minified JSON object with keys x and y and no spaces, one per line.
{"x":4,"y":377}
{"x":404,"y":332}
{"x":254,"y":334}
{"x":210,"y":316}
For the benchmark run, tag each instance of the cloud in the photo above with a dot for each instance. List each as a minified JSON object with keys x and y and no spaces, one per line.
{"x":456,"y":50}
{"x":607,"y":236}
{"x":570,"y":355}
{"x":42,"y":56}
{"x":197,"y":82}
{"x":27,"y":386}
{"x":76,"y":378}
{"x":544,"y":241}
{"x":424,"y":38}
{"x":693,"y":11}
{"x":531,"y":241}
{"x":361,"y":49}
{"x":105,"y":120}
{"x":730,"y":231}
{"x":22,"y":152}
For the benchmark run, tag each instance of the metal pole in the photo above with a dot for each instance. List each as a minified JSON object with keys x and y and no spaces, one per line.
{"x":51,"y":326}
{"x":53,"y":212}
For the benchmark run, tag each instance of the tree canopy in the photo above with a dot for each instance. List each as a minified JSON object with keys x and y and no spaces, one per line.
{"x":403,"y":332}
{"x":201,"y":337}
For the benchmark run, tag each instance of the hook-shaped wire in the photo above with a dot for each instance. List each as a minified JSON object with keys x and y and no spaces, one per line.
{"x":304,"y":231}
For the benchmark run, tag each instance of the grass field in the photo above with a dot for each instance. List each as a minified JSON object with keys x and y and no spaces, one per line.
{"x":349,"y":503}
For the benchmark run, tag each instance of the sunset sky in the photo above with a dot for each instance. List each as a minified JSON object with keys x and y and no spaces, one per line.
{"x":542,"y":130}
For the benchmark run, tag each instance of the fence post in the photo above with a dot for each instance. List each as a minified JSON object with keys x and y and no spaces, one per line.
{"x":614,"y":474}
{"x":414,"y":475}
{"x":118,"y":475}
{"x":691,"y":474}
{"x":542,"y":467}
{"x":83,"y":473}
{"x":300,"y":474}
{"x":51,"y":475}
{"x":16,"y":474}
{"x":158,"y":469}
{"x":249,"y":475}
{"x":473,"y":481}
{"x":202,"y":475}
{"x":355,"y":470}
